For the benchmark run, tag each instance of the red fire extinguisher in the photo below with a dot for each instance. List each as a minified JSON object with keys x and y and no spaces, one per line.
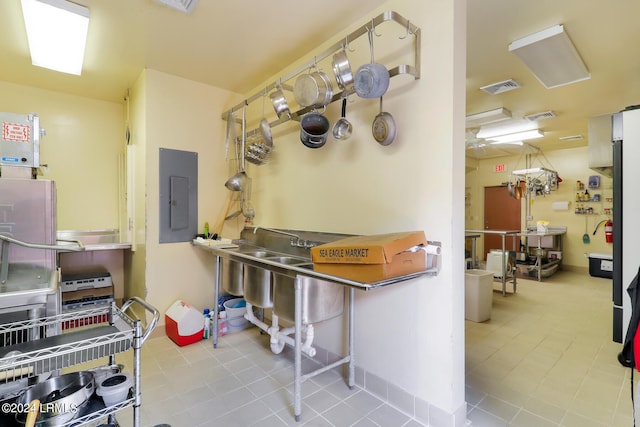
{"x":608,"y":231}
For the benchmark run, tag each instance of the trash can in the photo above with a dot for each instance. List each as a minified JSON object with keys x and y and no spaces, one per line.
{"x":478,"y":295}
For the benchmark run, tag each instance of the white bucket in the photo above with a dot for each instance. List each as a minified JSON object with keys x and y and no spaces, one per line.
{"x":235,"y":309}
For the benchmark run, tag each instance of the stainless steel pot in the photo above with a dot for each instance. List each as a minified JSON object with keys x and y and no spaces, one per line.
{"x":342,"y":71}
{"x":60,"y":397}
{"x":372,"y":80}
{"x":314,"y":128}
{"x":313,"y":89}
{"x":280,"y":103}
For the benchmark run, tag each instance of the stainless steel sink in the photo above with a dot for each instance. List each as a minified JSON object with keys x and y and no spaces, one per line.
{"x":261,"y":287}
{"x":321,"y":300}
{"x":256,"y":282}
{"x":233,"y":271}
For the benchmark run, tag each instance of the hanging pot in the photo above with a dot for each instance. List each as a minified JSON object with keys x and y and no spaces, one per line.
{"x":384,"y":127}
{"x":372,"y":80}
{"x":313,"y":89}
{"x":342,"y":71}
{"x":280,"y":103}
{"x":314,"y":128}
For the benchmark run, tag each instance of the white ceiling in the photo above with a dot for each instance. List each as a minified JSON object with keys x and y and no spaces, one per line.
{"x":607,"y":36}
{"x":210,"y":46}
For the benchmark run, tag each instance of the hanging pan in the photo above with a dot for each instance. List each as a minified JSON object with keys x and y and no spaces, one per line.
{"x":384,"y":127}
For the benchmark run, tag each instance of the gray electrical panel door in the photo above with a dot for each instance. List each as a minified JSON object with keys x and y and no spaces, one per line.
{"x":178,"y":195}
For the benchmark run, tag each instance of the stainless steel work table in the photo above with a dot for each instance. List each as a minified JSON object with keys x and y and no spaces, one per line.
{"x":294,"y":271}
{"x":503,"y":234}
{"x":557,"y":235}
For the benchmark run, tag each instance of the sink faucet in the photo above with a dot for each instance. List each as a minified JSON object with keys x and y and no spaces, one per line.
{"x":297,"y":242}
{"x":276,"y":231}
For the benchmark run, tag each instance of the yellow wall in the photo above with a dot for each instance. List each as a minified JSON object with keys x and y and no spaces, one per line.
{"x":182,"y":115}
{"x":572,"y":165}
{"x":411,"y":335}
{"x":81,"y":148}
{"x":417,"y":182}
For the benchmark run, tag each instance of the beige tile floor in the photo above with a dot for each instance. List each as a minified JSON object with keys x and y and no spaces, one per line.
{"x":545,"y":358}
{"x":242,"y":383}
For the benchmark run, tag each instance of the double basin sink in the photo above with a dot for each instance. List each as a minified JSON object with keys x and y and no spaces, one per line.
{"x":264,"y":278}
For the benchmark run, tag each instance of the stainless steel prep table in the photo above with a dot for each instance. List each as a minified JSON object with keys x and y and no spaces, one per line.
{"x":503,"y":234}
{"x":556,"y":234}
{"x":222,"y":251}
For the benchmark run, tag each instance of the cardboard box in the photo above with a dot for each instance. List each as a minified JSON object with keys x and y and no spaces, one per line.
{"x":371,"y":258}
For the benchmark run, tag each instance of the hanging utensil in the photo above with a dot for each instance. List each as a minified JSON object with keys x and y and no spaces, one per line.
{"x":265,"y":127}
{"x":384,"y":127}
{"x":342,"y":128}
{"x":585,"y":236}
{"x":239,"y":181}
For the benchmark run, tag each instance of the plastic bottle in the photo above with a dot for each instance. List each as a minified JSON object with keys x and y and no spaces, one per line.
{"x":207,"y":323}
{"x":206,"y":230}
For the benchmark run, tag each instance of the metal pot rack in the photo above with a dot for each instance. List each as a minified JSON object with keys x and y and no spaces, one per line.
{"x":412,"y":70}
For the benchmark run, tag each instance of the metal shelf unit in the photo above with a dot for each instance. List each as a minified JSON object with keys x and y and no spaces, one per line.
{"x":38,"y":346}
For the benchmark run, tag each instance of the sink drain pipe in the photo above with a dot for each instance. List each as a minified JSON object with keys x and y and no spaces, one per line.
{"x":280,"y":337}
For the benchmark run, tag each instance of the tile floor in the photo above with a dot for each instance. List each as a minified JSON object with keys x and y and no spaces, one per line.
{"x":242,"y":383}
{"x":545,"y":358}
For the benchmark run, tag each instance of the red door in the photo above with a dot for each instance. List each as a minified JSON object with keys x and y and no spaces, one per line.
{"x":501,"y":212}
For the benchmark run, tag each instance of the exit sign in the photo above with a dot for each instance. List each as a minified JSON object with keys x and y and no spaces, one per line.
{"x":500,"y":168}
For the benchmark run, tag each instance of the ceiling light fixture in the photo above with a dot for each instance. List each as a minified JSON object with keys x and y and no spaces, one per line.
{"x":185,"y":6}
{"x":518,"y":136}
{"x":505,"y":128}
{"x":551,"y":56}
{"x":487,"y":117}
{"x":57,"y":34}
{"x":519,"y":143}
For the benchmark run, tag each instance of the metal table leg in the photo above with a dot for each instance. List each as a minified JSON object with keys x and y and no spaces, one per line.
{"x":297,"y":380}
{"x":216,"y":292}
{"x":351,"y":381}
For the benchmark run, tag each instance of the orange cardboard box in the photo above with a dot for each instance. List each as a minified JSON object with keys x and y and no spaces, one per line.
{"x":371,"y":258}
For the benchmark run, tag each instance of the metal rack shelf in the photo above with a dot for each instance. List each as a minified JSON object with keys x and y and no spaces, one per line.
{"x":39,"y":346}
{"x":412,"y":70}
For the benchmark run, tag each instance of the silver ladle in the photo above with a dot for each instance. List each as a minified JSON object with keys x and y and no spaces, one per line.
{"x":238,"y":182}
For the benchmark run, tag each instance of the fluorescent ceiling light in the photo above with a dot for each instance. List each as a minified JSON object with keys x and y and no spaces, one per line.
{"x":57,"y":34}
{"x":520,"y":143}
{"x":551,"y":56}
{"x":486,"y":117}
{"x":505,"y":128}
{"x":518,"y":136}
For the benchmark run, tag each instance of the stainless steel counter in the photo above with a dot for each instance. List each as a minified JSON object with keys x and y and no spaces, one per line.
{"x":288,"y":246}
{"x":93,"y":240}
{"x":300,"y":269}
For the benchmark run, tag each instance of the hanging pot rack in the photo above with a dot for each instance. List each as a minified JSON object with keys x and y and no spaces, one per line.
{"x":412,"y":70}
